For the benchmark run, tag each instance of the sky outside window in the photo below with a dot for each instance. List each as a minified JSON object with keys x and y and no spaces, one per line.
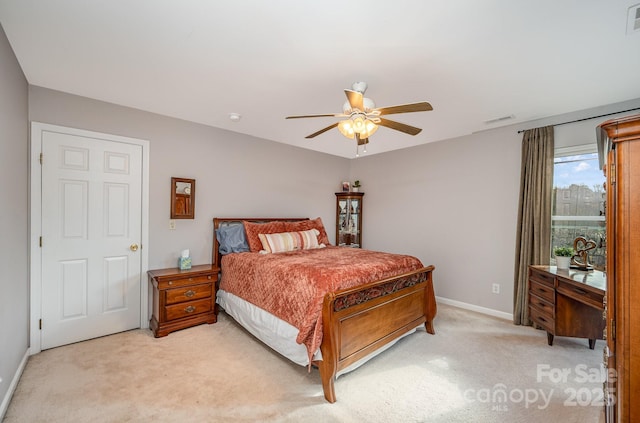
{"x":582,"y":169}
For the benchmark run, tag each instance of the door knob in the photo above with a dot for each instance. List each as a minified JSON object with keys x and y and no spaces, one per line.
{"x":133,"y":247}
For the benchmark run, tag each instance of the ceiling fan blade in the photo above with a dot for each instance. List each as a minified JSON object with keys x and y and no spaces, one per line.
{"x":323,"y":130}
{"x":423,"y":106}
{"x":355,"y":99}
{"x":312,"y":116}
{"x":402,"y":127}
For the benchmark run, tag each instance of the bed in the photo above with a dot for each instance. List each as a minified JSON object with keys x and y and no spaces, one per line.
{"x":355,"y":303}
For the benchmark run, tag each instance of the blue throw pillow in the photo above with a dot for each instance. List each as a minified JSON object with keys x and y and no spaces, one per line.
{"x":232,"y":239}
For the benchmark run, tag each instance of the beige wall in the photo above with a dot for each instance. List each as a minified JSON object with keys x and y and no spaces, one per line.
{"x":14,"y":296}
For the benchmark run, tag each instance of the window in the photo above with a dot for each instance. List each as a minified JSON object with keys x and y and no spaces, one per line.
{"x":578,"y":201}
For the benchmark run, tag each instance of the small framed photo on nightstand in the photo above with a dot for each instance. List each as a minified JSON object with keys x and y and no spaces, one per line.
{"x":346,"y":186}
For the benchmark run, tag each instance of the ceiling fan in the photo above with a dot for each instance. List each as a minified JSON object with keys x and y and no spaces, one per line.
{"x":361,"y":118}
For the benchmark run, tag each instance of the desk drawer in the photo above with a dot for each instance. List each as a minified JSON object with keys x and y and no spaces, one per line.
{"x":542,"y":290}
{"x":543,"y":278}
{"x":544,"y":307}
{"x":542,"y":319}
{"x":187,"y":309}
{"x":577,"y":293}
{"x":188,"y":293}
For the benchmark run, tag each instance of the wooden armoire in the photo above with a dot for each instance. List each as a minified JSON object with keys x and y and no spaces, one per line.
{"x":619,"y":148}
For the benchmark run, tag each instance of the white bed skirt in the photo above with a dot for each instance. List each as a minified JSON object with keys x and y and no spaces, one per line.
{"x":278,"y":334}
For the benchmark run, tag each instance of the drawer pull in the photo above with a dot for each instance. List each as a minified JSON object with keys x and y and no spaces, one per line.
{"x":209,"y":277}
{"x":190,"y":309}
{"x":542,"y":318}
{"x":170,"y":282}
{"x":190,"y":293}
{"x":579,"y":291}
{"x":190,"y":279}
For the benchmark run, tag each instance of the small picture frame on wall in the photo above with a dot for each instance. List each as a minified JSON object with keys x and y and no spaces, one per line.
{"x":346,"y":186}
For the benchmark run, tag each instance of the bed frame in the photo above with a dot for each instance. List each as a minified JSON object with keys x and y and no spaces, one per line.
{"x":360,"y":320}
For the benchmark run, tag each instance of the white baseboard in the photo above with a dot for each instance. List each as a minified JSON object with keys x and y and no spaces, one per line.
{"x":472,"y":307}
{"x":14,"y":383}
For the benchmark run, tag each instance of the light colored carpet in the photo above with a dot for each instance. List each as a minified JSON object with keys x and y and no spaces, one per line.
{"x":219,"y":373}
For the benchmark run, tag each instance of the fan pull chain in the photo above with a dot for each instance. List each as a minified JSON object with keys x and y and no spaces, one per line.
{"x":357,"y":152}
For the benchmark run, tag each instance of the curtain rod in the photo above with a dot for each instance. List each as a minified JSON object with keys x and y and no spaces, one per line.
{"x":592,"y":117}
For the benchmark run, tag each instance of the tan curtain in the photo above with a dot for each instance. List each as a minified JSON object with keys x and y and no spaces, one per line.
{"x":533,"y":244}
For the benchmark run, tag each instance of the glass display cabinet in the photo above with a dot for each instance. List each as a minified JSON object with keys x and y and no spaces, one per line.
{"x":349,"y":219}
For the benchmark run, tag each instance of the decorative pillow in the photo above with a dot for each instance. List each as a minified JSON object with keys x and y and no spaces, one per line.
{"x":253,"y":229}
{"x":290,"y":241}
{"x":305,"y":225}
{"x":231,"y":239}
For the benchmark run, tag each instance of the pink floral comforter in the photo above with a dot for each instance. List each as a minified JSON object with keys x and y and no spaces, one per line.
{"x":292,"y":285}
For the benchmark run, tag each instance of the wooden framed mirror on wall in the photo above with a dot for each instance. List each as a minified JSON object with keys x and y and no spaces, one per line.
{"x":183,"y":198}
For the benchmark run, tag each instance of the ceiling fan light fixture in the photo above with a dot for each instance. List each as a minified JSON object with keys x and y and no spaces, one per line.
{"x":346,"y":128}
{"x":358,"y":124}
{"x":370,"y":128}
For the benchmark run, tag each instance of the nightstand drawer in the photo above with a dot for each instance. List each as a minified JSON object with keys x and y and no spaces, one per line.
{"x":542,"y":290}
{"x":542,"y":319}
{"x":189,"y":293}
{"x":187,"y":309}
{"x":183,"y":281}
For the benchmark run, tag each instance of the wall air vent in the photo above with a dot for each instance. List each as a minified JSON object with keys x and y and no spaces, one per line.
{"x":500,"y":119}
{"x":633,"y":20}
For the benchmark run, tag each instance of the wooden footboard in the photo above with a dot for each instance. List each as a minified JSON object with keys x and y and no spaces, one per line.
{"x":360,"y":320}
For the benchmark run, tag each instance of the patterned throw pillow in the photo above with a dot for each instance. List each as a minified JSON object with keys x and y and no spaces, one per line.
{"x":253,"y":229}
{"x":305,"y":225}
{"x":290,"y":241}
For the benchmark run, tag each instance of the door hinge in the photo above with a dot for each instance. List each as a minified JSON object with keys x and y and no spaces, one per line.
{"x":40,"y":324}
{"x":40,"y":241}
{"x":41,"y":156}
{"x":613,"y":329}
{"x":612,"y":173}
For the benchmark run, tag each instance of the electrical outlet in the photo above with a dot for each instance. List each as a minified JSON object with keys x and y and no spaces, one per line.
{"x":495,"y":288}
{"x":172,"y":224}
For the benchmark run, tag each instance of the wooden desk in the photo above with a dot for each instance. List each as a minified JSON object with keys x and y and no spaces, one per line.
{"x":567,"y":302}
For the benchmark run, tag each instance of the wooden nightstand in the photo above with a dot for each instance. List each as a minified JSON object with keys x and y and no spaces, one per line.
{"x":182,"y":298}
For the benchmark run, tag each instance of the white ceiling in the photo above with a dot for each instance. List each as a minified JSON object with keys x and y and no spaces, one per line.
{"x":200,"y":60}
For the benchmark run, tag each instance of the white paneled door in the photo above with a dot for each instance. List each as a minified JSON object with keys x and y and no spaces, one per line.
{"x":91,"y":236}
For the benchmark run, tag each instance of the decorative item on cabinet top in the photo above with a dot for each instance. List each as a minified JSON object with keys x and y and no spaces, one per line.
{"x":183,"y":198}
{"x":580,"y":259}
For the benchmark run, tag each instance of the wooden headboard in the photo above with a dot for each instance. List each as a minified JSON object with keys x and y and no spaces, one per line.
{"x":220,"y":221}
